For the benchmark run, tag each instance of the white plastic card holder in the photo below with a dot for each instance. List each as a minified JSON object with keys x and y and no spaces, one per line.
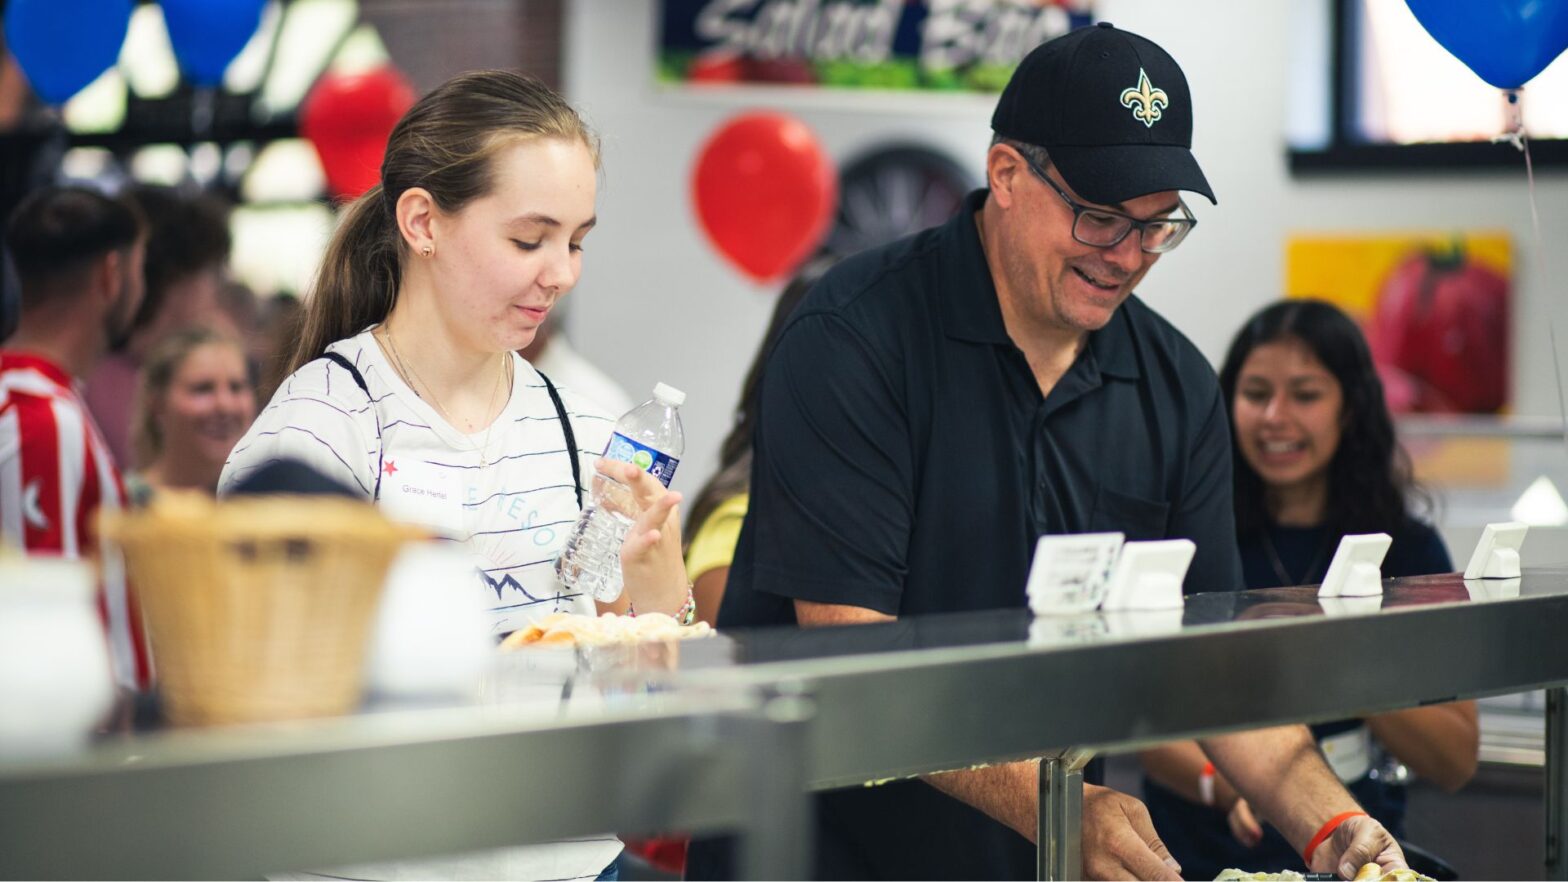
{"x":1357,"y":567}
{"x":1069,"y":573}
{"x":1148,"y":575}
{"x":1496,"y":556}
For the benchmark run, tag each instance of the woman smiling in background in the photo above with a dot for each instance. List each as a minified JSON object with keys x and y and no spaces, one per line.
{"x":1316,"y":459}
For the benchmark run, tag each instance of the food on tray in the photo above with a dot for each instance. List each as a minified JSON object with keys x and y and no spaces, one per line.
{"x":1374,"y":873}
{"x":1367,"y":873}
{"x":570,"y":629}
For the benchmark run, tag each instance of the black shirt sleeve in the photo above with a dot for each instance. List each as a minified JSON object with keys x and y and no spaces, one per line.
{"x":833,"y":477}
{"x":1206,"y":512}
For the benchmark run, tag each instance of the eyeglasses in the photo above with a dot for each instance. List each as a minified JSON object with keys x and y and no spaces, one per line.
{"x":1105,"y":229}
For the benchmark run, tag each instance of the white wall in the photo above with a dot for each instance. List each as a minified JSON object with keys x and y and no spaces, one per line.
{"x":657,"y":303}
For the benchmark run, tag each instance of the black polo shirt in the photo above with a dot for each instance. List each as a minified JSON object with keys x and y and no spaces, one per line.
{"x":906,"y":462}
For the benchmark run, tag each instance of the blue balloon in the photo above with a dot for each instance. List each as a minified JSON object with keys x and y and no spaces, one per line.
{"x":62,"y":45}
{"x":1506,"y":42}
{"x":208,"y":34}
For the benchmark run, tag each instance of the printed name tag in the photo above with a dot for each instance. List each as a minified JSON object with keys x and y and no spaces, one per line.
{"x":419,"y":493}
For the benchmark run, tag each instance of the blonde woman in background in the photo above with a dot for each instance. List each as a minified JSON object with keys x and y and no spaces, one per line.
{"x":194,"y":400}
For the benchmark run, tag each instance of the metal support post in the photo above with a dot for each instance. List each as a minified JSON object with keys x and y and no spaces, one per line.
{"x":777,"y":842}
{"x":1556,"y":782}
{"x":1059,"y":848}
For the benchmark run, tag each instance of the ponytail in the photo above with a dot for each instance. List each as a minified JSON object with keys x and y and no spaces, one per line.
{"x":357,"y":284}
{"x":444,"y":145}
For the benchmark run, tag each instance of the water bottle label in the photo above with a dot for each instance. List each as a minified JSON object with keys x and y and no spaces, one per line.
{"x":655,"y":463}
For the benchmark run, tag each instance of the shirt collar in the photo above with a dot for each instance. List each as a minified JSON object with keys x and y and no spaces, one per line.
{"x":1113,"y":345}
{"x":11,"y":359}
{"x":977,"y":313}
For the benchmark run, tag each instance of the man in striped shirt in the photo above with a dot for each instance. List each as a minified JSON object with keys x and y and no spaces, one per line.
{"x":79,"y":257}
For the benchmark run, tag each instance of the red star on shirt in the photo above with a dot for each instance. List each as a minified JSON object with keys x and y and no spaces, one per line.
{"x":390,"y":468}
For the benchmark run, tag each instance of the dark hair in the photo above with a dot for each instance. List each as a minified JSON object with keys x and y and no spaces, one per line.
{"x":1370,"y":487}
{"x":1032,"y":152}
{"x":57,"y":231}
{"x":444,"y":144}
{"x":185,"y":235}
{"x":734,"y":474}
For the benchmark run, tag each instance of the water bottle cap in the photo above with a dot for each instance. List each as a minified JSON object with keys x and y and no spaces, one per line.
{"x":669,"y":395}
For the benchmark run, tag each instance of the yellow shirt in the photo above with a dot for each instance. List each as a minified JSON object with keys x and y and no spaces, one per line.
{"x":713,"y":546}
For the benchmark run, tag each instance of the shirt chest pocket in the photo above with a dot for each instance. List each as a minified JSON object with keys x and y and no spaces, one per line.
{"x":1140,"y":519}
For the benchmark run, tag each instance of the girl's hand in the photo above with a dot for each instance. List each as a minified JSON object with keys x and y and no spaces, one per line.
{"x":651,"y":564}
{"x":1244,"y":825}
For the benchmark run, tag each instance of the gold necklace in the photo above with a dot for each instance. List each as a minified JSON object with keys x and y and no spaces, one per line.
{"x":410,"y":377}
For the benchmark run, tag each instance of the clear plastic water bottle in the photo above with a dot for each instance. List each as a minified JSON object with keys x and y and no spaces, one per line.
{"x":649,"y":435}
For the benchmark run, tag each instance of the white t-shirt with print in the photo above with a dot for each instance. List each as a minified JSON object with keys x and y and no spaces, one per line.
{"x":512,"y":504}
{"x":509,"y":499}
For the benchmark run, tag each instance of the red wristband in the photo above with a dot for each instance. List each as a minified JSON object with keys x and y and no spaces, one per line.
{"x":1325,"y":833}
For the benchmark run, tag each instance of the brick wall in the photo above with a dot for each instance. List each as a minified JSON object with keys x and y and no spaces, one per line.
{"x":431,"y":40}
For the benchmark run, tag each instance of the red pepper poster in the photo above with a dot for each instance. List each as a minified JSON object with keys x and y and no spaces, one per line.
{"x":1435,"y":308}
{"x":932,"y":45}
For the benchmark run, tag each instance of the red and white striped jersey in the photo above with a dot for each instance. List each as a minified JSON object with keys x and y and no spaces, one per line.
{"x":55,"y":473}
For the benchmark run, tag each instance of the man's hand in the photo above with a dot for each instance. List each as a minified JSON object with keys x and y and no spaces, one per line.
{"x":1119,"y":840}
{"x":1359,"y":840}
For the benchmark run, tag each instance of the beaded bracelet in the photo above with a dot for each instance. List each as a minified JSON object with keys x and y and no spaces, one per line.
{"x":683,"y":616}
{"x":688,"y":611}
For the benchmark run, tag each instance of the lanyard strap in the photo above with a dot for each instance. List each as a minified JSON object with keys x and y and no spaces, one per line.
{"x":571,"y":437}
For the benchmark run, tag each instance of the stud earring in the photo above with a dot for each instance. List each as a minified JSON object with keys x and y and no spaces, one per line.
{"x":427,"y":250}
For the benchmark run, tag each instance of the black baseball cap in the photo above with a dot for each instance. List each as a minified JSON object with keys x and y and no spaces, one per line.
{"x":1111,"y":108}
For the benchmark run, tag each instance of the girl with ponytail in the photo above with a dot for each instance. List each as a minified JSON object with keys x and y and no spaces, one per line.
{"x":405,"y":385}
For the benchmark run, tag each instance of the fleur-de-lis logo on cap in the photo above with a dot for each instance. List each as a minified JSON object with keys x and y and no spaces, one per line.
{"x":1145,"y":100}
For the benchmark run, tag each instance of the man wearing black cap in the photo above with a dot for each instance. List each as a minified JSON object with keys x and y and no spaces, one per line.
{"x":935,"y":405}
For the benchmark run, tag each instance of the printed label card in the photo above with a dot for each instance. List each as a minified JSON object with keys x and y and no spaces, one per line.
{"x":1070,"y":573}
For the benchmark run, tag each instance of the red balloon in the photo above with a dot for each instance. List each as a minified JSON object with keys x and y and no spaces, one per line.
{"x":348,"y":117}
{"x":765,"y":192}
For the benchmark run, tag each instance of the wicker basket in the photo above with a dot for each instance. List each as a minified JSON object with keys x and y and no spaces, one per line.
{"x":257,"y":608}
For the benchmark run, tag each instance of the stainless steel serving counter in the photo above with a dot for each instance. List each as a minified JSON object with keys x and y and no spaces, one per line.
{"x":1003,"y":686}
{"x":244,"y":801}
{"x":957,"y":690}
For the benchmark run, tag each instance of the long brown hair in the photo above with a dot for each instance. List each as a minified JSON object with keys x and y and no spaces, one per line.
{"x":1371,"y":488}
{"x":444,"y":144}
